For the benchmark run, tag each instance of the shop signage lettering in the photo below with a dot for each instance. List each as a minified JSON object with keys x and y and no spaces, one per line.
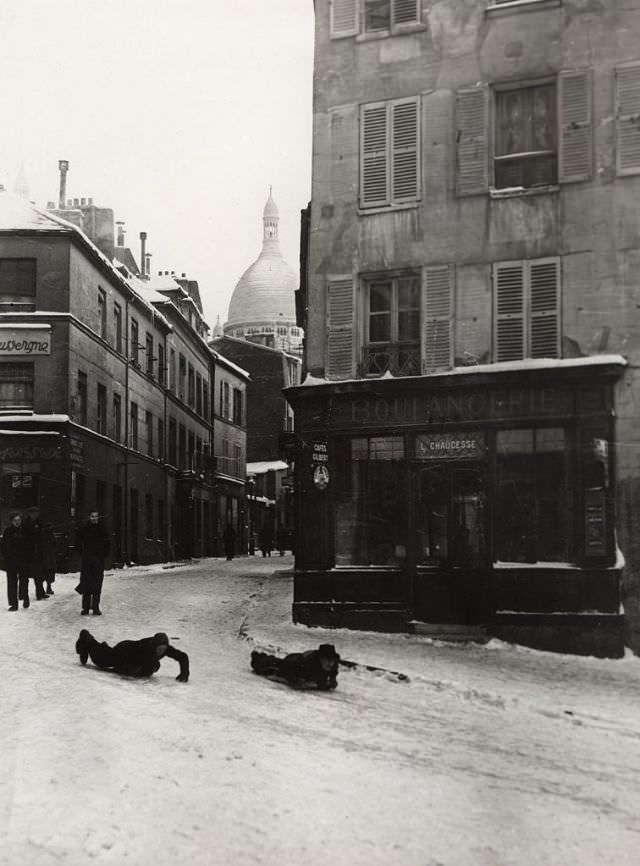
{"x":15,"y":341}
{"x":320,"y":453}
{"x":440,"y":446}
{"x":30,"y":452}
{"x":458,"y":406}
{"x":76,"y":452}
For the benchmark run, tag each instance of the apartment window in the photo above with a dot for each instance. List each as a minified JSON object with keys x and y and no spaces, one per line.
{"x":162,"y":373}
{"x":182,"y":447}
{"x":117,"y":327}
{"x":117,"y":417}
{"x":134,"y":352}
{"x":172,"y":370}
{"x":390,"y":153}
{"x":198,"y":393}
{"x":16,"y":386}
{"x":161,"y":519}
{"x":133,"y":425}
{"x":237,"y":460}
{"x":148,"y":515}
{"x":173,"y":442}
{"x":532,"y":495}
{"x":161,"y":450}
{"x":82,"y":401}
{"x":526,"y":321}
{"x":542,"y":134}
{"x":351,"y":17}
{"x":205,"y":399}
{"x":392,"y":326}
{"x":102,"y":410}
{"x":191,"y":387}
{"x":526,"y":141}
{"x":191,"y":450}
{"x":149,"y":353}
{"x":17,"y":285}
{"x":182,"y":375}
{"x":224,"y":400}
{"x":148,"y":423}
{"x":102,"y":313}
{"x":237,"y":406}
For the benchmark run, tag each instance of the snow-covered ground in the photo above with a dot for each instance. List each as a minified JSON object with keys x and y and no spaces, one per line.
{"x":485,"y":756}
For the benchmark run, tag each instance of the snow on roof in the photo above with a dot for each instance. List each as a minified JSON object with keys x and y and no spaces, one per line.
{"x":51,"y":419}
{"x":263,"y":466}
{"x":498,"y":367}
{"x":29,"y":433}
{"x":227,"y":363}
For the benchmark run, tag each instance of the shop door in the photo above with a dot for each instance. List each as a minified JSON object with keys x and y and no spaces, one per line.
{"x":448,"y":550}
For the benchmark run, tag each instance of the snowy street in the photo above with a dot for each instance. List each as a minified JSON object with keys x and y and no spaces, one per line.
{"x":483,"y":756}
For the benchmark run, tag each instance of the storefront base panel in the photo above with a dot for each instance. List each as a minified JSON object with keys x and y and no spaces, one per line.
{"x":354,"y":615}
{"x":579,"y":634}
{"x":548,"y":590}
{"x":345,"y":585}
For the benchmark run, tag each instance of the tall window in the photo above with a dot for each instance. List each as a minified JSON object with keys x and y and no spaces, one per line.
{"x":191,"y":450}
{"x":17,"y":285}
{"x":224,"y":400}
{"x":133,"y":425}
{"x":102,"y":410}
{"x":532,"y":495}
{"x":117,"y":327}
{"x":191,"y":387}
{"x":237,"y":406}
{"x":198,"y":393}
{"x":162,"y":373}
{"x":102,"y":313}
{"x":173,"y":442}
{"x":16,"y":386}
{"x":161,"y":449}
{"x":205,"y":399}
{"x":82,"y":401}
{"x":148,"y":423}
{"x":134,"y":351}
{"x":390,"y":153}
{"x":149,"y":353}
{"x":392,"y":326}
{"x":182,"y":447}
{"x":526,"y":309}
{"x":117,"y":417}
{"x":237,"y":461}
{"x":161,"y":519}
{"x":172,"y":370}
{"x":526,"y":140}
{"x":148,"y":515}
{"x":182,"y":376}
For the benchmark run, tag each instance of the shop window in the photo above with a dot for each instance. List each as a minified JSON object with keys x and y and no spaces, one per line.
{"x":390,"y":153}
{"x":17,"y":285}
{"x":532,"y":503}
{"x":371,"y":501}
{"x":392,"y":326}
{"x":16,"y":386}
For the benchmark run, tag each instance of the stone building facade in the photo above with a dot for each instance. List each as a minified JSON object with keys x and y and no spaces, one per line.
{"x":471,"y":321}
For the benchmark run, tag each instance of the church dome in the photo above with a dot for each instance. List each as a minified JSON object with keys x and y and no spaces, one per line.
{"x":265,"y":293}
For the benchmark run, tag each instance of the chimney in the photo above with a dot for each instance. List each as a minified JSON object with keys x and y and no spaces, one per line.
{"x":143,"y":252}
{"x":147,"y":264}
{"x":76,"y":202}
{"x":63,"y":165}
{"x":83,"y":201}
{"x":120,"y":241}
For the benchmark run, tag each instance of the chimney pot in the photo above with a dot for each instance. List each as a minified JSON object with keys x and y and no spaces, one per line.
{"x":89,"y":201}
{"x":51,"y":205}
{"x":76,"y":202}
{"x":83,"y":201}
{"x":69,"y":203}
{"x":63,"y":168}
{"x":184,"y":276}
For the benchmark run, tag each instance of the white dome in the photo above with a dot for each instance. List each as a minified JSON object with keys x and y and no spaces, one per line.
{"x":265,"y":292}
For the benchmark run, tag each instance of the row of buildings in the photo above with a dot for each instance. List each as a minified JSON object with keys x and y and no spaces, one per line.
{"x":113,"y":395}
{"x":467,"y":432}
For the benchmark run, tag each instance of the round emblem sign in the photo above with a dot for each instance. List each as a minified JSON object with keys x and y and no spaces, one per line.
{"x":321,"y":477}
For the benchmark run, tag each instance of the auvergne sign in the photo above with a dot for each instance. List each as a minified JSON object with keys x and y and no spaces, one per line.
{"x":25,"y":341}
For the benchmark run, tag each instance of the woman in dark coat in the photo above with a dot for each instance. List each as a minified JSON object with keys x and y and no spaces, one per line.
{"x":93,"y":544}
{"x":16,"y":553}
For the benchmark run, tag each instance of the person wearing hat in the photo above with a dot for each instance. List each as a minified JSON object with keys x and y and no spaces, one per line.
{"x":131,"y":658}
{"x":16,"y":554}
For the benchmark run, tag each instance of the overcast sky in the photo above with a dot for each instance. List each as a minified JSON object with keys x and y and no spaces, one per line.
{"x":178,"y":114}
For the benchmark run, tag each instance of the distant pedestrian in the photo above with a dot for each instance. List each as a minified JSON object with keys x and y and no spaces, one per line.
{"x":229,"y":538}
{"x":15,"y":550}
{"x":93,"y":544}
{"x":281,"y":539}
{"x":266,"y":540}
{"x":131,"y":658}
{"x":33,"y":529}
{"x":48,"y":554}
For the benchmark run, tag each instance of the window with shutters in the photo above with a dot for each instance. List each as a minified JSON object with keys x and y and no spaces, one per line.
{"x":390,"y":153}
{"x":378,"y":17}
{"x":526,"y":149}
{"x":340,"y":326}
{"x":392,"y":325}
{"x":437,"y":318}
{"x":526,"y":309}
{"x":628,"y":119}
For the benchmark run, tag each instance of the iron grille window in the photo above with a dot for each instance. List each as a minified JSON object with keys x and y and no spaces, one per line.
{"x":392,"y":326}
{"x":526,"y":137}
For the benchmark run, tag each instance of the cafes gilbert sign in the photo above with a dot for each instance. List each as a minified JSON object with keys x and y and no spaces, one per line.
{"x":15,"y":341}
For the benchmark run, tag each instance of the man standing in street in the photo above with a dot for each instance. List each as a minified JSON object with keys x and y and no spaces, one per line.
{"x":15,"y":550}
{"x":93,"y":544}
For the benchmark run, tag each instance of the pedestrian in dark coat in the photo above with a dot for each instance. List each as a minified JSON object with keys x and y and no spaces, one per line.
{"x":132,"y":658}
{"x":48,"y":555}
{"x":266,"y":540}
{"x":33,"y":529}
{"x":93,"y":544}
{"x":281,"y":539}
{"x":15,"y":550}
{"x":229,"y":538}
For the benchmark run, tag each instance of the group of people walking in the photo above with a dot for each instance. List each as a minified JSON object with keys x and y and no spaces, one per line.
{"x":29,"y":553}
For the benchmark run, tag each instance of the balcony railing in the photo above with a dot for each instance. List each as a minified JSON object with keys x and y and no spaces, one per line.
{"x":401,"y":360}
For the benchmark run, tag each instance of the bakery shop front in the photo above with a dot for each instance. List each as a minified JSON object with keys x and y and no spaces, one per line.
{"x":479,"y":502}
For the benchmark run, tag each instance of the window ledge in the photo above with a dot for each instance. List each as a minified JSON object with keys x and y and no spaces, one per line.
{"x":388,"y":208}
{"x":399,"y":30}
{"x":495,"y":9}
{"x":519,"y":191}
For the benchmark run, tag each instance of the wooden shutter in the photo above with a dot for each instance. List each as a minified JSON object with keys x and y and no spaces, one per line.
{"x":628,"y":119}
{"x":374,"y":155}
{"x":472,"y":155}
{"x":576,"y":133}
{"x":437,"y":331}
{"x":344,"y":18}
{"x":340,"y":329}
{"x":405,"y":149}
{"x":544,"y":305}
{"x":509,"y":288}
{"x":405,"y":11}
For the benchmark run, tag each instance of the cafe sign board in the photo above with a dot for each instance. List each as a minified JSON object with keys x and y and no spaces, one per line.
{"x":17,"y":340}
{"x":448,"y":446}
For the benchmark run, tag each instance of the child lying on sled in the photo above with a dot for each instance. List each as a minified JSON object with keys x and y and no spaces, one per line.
{"x":317,"y":668}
